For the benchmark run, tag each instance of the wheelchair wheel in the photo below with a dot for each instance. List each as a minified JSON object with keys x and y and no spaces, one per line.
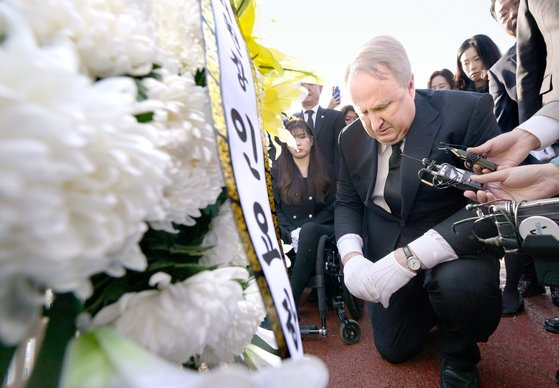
{"x":350,"y":331}
{"x":354,"y":305}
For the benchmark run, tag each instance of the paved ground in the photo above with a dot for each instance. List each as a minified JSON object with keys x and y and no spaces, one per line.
{"x":519,"y":354}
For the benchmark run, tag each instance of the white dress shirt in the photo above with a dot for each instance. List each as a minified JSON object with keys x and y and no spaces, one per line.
{"x":546,"y":129}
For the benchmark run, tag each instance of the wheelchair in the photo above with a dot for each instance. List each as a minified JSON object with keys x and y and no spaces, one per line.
{"x":329,"y":284}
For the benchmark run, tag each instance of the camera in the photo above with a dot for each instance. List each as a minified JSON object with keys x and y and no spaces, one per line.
{"x":442,"y":176}
{"x":529,"y":227}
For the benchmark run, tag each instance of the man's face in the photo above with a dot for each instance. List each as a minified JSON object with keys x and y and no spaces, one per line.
{"x":385,"y":108}
{"x":314,"y":94}
{"x":507,"y":12}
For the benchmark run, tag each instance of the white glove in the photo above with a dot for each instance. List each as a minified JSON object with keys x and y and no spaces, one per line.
{"x":375,"y":282}
{"x":295,"y":239}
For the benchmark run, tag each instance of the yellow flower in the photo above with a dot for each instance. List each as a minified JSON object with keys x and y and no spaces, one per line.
{"x":261,"y":56}
{"x":278,"y":81}
{"x":278,"y":95}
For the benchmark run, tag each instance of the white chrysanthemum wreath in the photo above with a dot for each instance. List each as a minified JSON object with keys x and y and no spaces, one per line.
{"x":111,"y":198}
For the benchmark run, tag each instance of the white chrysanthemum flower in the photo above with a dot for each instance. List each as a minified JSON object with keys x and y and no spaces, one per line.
{"x":242,"y":327}
{"x":113,"y":37}
{"x":205,"y":311}
{"x":78,"y":175}
{"x":179,"y":30}
{"x":225,"y":245}
{"x":181,"y":113}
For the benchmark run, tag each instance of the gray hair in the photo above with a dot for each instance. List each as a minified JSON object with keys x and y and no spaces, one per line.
{"x":381,"y":50}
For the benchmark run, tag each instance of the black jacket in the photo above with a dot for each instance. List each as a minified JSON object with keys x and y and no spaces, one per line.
{"x":502,"y":87}
{"x":293,"y":216}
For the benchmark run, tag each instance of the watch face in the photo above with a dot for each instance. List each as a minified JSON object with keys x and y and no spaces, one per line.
{"x":414,"y":263}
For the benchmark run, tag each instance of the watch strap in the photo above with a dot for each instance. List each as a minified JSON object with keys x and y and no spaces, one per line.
{"x":407,"y":251}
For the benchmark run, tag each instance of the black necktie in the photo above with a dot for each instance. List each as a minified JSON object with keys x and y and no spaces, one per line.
{"x":309,"y":118}
{"x":393,"y":185}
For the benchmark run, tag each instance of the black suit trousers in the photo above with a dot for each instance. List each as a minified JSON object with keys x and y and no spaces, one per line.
{"x":461,"y":296}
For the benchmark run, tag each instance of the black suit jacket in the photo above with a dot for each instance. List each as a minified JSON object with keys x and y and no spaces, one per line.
{"x":502,"y":87}
{"x":293,"y":216}
{"x":327,"y":127}
{"x":538,"y":55}
{"x":454,"y":117}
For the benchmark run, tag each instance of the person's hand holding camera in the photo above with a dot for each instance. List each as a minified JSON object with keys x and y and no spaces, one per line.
{"x":508,"y":149}
{"x":522,"y":183}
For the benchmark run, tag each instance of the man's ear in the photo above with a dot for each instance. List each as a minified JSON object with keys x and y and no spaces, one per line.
{"x":411,"y":87}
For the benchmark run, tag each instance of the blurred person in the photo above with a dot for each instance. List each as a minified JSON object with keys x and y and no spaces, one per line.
{"x":538,"y":62}
{"x":521,"y":276}
{"x":509,"y":150}
{"x":349,"y":114}
{"x":475,"y":56}
{"x":502,"y":75}
{"x":304,"y":193}
{"x":538,"y":58}
{"x":441,"y":80}
{"x":325,"y":124}
{"x":394,"y":234}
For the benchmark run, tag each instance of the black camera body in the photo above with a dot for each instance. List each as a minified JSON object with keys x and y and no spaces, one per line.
{"x":529,"y":227}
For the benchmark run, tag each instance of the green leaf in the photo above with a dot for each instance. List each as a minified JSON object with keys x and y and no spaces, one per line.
{"x":6,"y":355}
{"x":145,"y":117}
{"x":60,"y":330}
{"x":240,"y":6}
{"x":191,"y":250}
{"x":200,"y":77}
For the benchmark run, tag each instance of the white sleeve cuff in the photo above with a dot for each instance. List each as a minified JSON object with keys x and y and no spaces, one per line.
{"x":350,"y":242}
{"x":432,"y":249}
{"x":546,"y":129}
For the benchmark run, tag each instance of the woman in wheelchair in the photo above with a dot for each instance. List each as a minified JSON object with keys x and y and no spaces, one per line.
{"x":304,"y":192}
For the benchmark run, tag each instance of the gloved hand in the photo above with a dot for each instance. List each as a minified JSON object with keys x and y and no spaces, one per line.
{"x":295,"y":239}
{"x":375,"y":282}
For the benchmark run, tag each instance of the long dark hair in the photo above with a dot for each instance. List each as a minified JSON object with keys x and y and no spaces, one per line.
{"x":291,"y":183}
{"x":488,"y":52}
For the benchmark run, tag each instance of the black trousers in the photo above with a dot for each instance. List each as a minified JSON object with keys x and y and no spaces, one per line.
{"x":461,"y":296}
{"x":305,"y":261}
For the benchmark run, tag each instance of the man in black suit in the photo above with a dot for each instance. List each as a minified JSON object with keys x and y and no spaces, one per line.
{"x":502,"y":75}
{"x":422,"y":273}
{"x":326,"y":124}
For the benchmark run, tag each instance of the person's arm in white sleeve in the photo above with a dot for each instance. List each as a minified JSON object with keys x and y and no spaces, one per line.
{"x":376,"y":282}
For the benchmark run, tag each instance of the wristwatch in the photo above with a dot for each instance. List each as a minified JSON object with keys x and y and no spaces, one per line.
{"x":413,"y":262}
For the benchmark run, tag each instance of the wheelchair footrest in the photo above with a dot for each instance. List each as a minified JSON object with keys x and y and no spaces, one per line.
{"x":312,"y":329}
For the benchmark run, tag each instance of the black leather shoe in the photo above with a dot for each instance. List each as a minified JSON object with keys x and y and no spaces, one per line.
{"x":552,"y":325}
{"x":554,"y":295}
{"x":457,"y":378}
{"x":528,"y":289}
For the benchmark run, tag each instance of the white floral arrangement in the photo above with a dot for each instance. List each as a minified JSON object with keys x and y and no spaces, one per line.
{"x":110,"y":185}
